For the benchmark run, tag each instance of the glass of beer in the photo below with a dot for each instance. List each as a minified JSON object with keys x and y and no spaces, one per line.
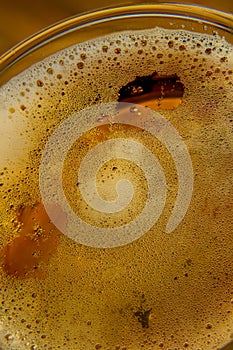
{"x":116,"y":182}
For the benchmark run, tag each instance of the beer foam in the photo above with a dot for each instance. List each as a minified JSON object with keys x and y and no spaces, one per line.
{"x":94,"y":71}
{"x":178,"y":285}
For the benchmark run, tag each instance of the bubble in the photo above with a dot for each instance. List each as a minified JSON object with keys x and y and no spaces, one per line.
{"x":134,"y":109}
{"x":40,"y":83}
{"x":171,"y":43}
{"x":80,"y":65}
{"x":117,"y":50}
{"x":9,"y":336}
{"x":144,"y":42}
{"x":105,"y":48}
{"x":182,"y":47}
{"x":83,"y":56}
{"x":50,"y":71}
{"x":208,"y":51}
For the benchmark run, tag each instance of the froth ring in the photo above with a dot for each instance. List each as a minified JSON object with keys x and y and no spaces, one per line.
{"x":61,"y":141}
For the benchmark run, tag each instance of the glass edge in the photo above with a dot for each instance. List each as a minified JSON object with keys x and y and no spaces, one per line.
{"x":193,"y":10}
{"x":228,"y":346}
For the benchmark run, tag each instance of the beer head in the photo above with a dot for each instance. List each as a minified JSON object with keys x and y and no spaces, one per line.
{"x":116,"y":193}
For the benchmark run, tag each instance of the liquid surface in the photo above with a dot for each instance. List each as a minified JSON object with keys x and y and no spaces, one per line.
{"x":162,"y":291}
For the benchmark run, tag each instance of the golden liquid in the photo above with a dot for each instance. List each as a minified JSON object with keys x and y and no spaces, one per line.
{"x":169,"y":291}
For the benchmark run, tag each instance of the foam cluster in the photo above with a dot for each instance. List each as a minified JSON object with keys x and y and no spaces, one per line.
{"x":163,"y":291}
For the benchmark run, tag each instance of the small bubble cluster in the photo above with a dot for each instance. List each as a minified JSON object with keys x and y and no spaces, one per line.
{"x":68,"y":296}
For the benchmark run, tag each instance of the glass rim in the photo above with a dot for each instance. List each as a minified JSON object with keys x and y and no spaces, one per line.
{"x":195,"y":12}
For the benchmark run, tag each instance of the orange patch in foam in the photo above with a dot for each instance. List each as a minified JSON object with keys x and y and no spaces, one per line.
{"x":34,"y":245}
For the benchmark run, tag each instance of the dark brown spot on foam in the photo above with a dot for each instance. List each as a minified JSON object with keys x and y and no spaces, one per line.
{"x":153,"y":91}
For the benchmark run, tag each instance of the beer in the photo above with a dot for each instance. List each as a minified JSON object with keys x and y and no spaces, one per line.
{"x":119,"y":115}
